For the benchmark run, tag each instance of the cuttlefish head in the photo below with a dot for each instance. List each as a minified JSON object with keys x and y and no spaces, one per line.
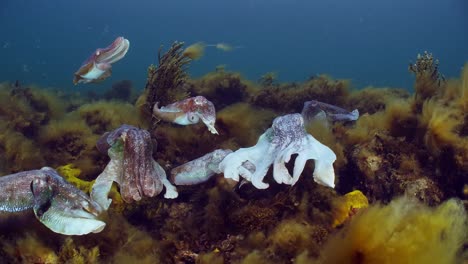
{"x":98,"y":66}
{"x":189,"y":111}
{"x":62,"y":207}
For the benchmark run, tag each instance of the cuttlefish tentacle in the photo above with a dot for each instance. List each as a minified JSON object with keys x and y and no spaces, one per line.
{"x":56,"y":203}
{"x":98,"y":66}
{"x":189,"y":111}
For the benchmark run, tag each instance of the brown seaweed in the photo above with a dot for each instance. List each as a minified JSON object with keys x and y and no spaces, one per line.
{"x":402,"y":145}
{"x":165,"y":82}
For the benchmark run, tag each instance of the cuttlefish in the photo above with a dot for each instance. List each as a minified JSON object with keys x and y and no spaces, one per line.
{"x":57,"y":204}
{"x":188,"y":112}
{"x":318,"y":110}
{"x":98,"y":66}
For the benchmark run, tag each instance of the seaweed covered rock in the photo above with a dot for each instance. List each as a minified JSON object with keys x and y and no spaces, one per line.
{"x":222,"y":88}
{"x":291,"y":97}
{"x":27,"y":109}
{"x":103,"y":116}
{"x":18,"y":152}
{"x":121,"y":90}
{"x":69,"y":141}
{"x":371,"y":99}
{"x":387,"y":167}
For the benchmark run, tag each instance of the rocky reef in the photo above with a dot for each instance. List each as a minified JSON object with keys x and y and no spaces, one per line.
{"x":407,"y":154}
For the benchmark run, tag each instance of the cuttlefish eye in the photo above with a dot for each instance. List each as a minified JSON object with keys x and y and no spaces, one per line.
{"x":193,"y":118}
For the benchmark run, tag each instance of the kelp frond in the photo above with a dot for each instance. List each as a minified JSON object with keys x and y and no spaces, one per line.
{"x":165,"y":81}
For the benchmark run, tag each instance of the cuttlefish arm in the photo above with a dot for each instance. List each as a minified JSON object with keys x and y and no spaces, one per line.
{"x":189,"y":111}
{"x":56,"y":203}
{"x":131,"y":166}
{"x":98,"y":66}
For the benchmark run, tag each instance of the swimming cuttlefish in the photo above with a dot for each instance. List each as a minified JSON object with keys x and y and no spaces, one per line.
{"x":188,"y":112}
{"x":98,"y":66}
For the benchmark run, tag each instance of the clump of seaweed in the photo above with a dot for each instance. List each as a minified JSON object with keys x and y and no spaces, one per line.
{"x":26,"y":109}
{"x":71,"y":253}
{"x":293,"y":236}
{"x":463,"y":101}
{"x":221,"y":87}
{"x":121,"y":90}
{"x":165,"y":83}
{"x":103,"y":116}
{"x":440,"y":124}
{"x":291,"y":97}
{"x":75,"y":142}
{"x":30,"y":249}
{"x":244,"y":123}
{"x":18,"y":152}
{"x":429,"y":81}
{"x":371,"y":99}
{"x":373,"y":161}
{"x":404,"y":231}
{"x":268,"y":79}
{"x":41,"y":100}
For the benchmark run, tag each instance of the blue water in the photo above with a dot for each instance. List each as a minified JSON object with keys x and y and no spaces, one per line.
{"x":370,"y":42}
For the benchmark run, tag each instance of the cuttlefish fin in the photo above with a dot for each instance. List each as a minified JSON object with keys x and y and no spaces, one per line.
{"x":83,"y":70}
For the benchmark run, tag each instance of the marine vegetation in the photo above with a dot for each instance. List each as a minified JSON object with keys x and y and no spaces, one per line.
{"x":387,"y":186}
{"x":165,"y":83}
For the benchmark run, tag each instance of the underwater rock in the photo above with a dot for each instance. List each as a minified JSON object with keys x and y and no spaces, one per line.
{"x":57,"y":204}
{"x":131,"y":166}
{"x":98,"y":66}
{"x":188,"y":112}
{"x":286,"y":137}
{"x":199,"y":170}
